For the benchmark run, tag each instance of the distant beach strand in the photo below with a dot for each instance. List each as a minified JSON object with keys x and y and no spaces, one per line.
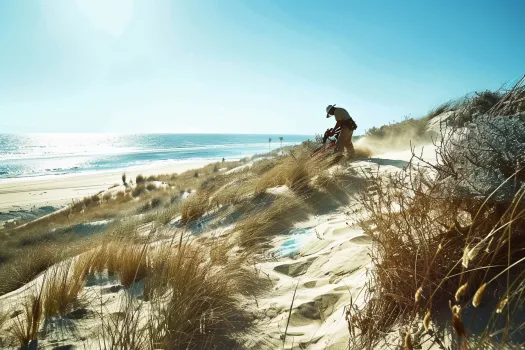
{"x":38,"y":154}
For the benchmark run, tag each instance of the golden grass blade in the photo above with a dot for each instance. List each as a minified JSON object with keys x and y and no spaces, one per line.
{"x":418,"y":294}
{"x":476,"y":301}
{"x":408,"y":341}
{"x":289,"y":315}
{"x":426,"y":320}
{"x":457,"y":323}
{"x":501,"y":305}
{"x":461,"y":291}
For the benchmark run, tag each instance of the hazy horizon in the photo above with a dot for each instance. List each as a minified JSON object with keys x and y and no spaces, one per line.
{"x":245,"y":67}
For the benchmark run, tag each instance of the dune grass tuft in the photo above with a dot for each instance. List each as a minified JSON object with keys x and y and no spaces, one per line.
{"x":192,"y":302}
{"x":128,"y":262}
{"x":194,"y":207}
{"x":63,"y":283}
{"x":202,"y":303}
{"x":26,"y":325}
{"x":166,"y":215}
{"x":140,"y":179}
{"x":138,"y":190}
{"x":21,"y":270}
{"x":275,"y":217}
{"x":292,"y":171}
{"x":4,"y":317}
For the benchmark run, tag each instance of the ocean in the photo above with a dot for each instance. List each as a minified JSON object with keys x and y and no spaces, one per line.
{"x":32,"y":155}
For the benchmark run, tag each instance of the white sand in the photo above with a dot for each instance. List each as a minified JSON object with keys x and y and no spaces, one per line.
{"x":327,"y":269}
{"x":58,"y":190}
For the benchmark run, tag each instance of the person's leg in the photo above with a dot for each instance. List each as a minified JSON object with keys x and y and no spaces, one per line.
{"x":349,"y":145}
{"x":342,"y":140}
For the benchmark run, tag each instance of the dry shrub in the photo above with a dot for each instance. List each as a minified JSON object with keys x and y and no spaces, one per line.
{"x":138,"y":190}
{"x":26,"y":325}
{"x":436,"y":233}
{"x":274,"y":177}
{"x":76,"y":207}
{"x":298,"y":176}
{"x":121,"y":257}
{"x":323,"y":180}
{"x":140,"y":179}
{"x":409,"y":128}
{"x":63,"y":283}
{"x":122,"y":197}
{"x":213,"y":183}
{"x":151,"y":187}
{"x":444,"y":107}
{"x":194,"y":207}
{"x":3,"y":318}
{"x":99,"y":257}
{"x":263,"y":166}
{"x":219,"y":251}
{"x":94,"y":200}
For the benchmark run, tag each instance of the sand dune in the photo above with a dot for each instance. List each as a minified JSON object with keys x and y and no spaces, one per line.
{"x":315,"y":270}
{"x":325,"y":272}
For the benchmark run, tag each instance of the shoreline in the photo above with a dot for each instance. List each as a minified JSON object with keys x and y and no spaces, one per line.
{"x":142,"y":167}
{"x":23,"y":194}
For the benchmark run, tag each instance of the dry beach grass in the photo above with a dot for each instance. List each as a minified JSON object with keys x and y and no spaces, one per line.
{"x":448,"y":245}
{"x":181,"y":260}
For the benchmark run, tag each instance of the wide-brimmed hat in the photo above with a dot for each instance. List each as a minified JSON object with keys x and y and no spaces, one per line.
{"x":328,"y":109}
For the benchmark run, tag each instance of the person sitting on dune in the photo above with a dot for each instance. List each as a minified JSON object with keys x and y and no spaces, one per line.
{"x":347,"y":126}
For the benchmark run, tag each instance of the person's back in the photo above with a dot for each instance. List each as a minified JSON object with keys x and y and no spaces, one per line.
{"x":341,"y":115}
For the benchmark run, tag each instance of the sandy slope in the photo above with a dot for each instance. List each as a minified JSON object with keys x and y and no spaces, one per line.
{"x":328,"y":266}
{"x":323,"y":261}
{"x":57,"y":190}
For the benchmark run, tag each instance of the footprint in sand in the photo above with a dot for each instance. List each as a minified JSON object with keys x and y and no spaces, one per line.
{"x":294,"y":269}
{"x":362,"y":240}
{"x":318,"y":309}
{"x":310,"y":284}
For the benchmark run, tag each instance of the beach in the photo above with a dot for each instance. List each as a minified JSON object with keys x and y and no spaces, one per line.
{"x":23,"y":194}
{"x":42,"y":172}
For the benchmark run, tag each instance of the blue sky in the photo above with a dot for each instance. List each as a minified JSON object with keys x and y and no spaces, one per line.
{"x":252,"y":66}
